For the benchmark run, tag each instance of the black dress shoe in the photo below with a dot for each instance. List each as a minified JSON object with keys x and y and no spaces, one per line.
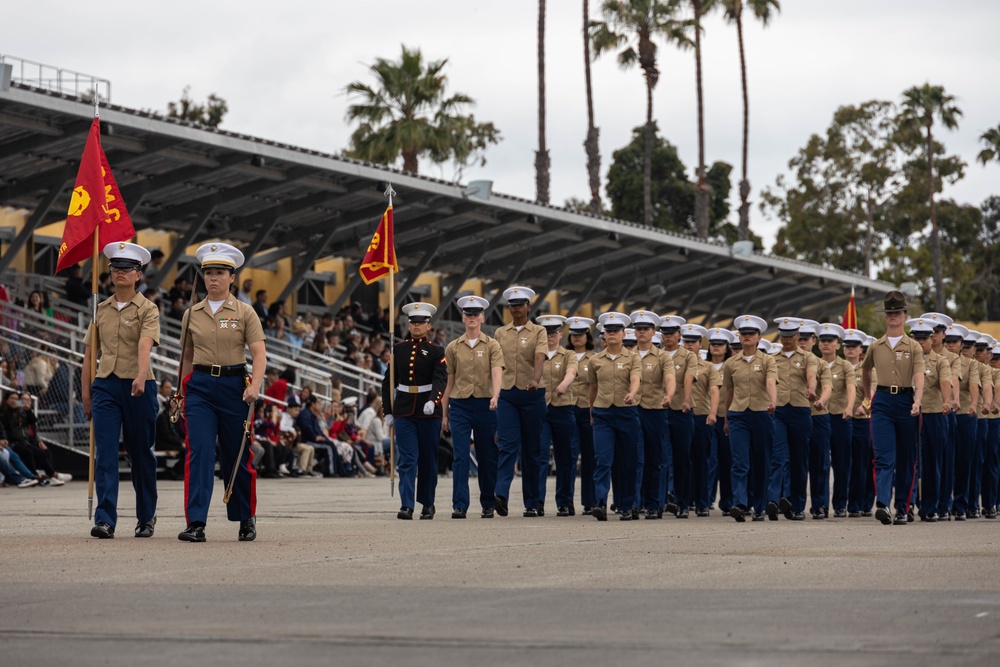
{"x":458,"y":514}
{"x":786,"y":508}
{"x":737,"y":513}
{"x":625,"y":516}
{"x":405,"y":513}
{"x":531,"y":513}
{"x":839,"y":514}
{"x":248,"y":529}
{"x":487,"y":513}
{"x":427,"y":513}
{"x":972,"y":514}
{"x":819,"y":515}
{"x":882,"y":514}
{"x":931,"y":518}
{"x":959,"y":516}
{"x":635,"y":513}
{"x":600,"y":513}
{"x":901,"y":519}
{"x":866,"y":513}
{"x":854,"y":515}
{"x":682,"y":514}
{"x":572,"y":510}
{"x":800,"y":516}
{"x":588,"y":511}
{"x":990,"y":514}
{"x":613,"y":508}
{"x":652,"y":514}
{"x":193,"y":533}
{"x":671,"y":508}
{"x":562,"y":511}
{"x":104,"y":531}
{"x":541,"y":509}
{"x":501,"y":506}
{"x":758,"y":516}
{"x":145,"y":529}
{"x":701,"y":513}
{"x":772,"y":511}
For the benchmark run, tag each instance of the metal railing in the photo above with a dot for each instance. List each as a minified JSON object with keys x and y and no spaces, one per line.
{"x":58,"y":79}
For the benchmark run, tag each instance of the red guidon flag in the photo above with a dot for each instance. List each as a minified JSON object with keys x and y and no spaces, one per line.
{"x":850,"y":320}
{"x":380,"y":259}
{"x":95,"y":206}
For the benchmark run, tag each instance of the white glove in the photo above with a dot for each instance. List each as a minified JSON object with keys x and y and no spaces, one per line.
{"x":429,"y":408}
{"x":388,"y":421}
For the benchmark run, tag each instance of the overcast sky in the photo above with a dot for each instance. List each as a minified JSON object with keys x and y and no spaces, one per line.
{"x":282,"y":67}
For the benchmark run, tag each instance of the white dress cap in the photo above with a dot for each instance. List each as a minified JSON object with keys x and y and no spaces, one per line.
{"x":220,"y":255}
{"x":419,"y":311}
{"x":126,"y":255}
{"x":518,"y":294}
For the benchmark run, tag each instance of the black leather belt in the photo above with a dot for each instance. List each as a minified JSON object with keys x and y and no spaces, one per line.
{"x":894,"y":389}
{"x":218,"y":371}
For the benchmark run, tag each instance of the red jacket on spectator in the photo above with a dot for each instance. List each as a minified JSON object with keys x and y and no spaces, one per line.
{"x":278,"y":391}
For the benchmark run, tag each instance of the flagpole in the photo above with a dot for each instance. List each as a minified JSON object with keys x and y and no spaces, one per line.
{"x":94,"y":347}
{"x":389,"y":192}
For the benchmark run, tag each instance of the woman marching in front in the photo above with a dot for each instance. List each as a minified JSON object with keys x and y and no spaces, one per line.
{"x":122,"y":399}
{"x":655,"y":394}
{"x":582,"y":343}
{"x":421,"y":378}
{"x":559,"y":370}
{"x":215,"y":335}
{"x":840,"y":408}
{"x":750,"y":380}
{"x":615,"y":376}
{"x":475,"y":373}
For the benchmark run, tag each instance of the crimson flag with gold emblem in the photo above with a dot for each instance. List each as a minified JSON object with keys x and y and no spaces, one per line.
{"x":380,"y":259}
{"x":95,"y":206}
{"x":850,"y":320}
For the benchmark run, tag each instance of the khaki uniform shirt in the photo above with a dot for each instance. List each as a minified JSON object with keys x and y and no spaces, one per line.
{"x":895,"y":366}
{"x":986,"y":380}
{"x":792,"y":381}
{"x":824,"y":378}
{"x":554,"y":372}
{"x":968,"y":378}
{"x":683,"y":360}
{"x":705,"y":377}
{"x":120,"y":331}
{"x":221,"y":339}
{"x":747,"y":380}
{"x":581,"y":385}
{"x":721,"y":412}
{"x":936,"y":368}
{"x":656,"y":366}
{"x":995,"y":372}
{"x":613,"y":377}
{"x":842,"y":381}
{"x":859,"y":396}
{"x":519,"y":350}
{"x":473,"y":366}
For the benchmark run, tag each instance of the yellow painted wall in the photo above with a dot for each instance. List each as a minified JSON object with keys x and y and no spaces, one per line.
{"x":14,"y":218}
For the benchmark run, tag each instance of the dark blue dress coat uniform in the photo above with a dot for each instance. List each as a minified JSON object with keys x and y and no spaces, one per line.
{"x":421,"y":376}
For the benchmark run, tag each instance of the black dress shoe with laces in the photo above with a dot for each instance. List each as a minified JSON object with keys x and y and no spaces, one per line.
{"x":839,"y":514}
{"x":701,"y":513}
{"x":572,"y":510}
{"x":652,"y":514}
{"x":248,"y":529}
{"x":104,"y":531}
{"x":635,"y":513}
{"x":626,"y":515}
{"x":145,"y":529}
{"x":501,"y":506}
{"x":427,"y":513}
{"x":737,"y":513}
{"x":487,"y":513}
{"x":541,"y":509}
{"x":531,"y":513}
{"x":682,"y":514}
{"x":882,"y":514}
{"x":458,"y":514}
{"x":901,"y":519}
{"x":671,"y":508}
{"x":930,"y":517}
{"x":772,"y":511}
{"x":758,"y":516}
{"x":854,"y":515}
{"x":562,"y":511}
{"x":800,"y":516}
{"x":786,"y":508}
{"x":405,"y":513}
{"x":588,"y":511}
{"x":600,"y":512}
{"x":193,"y":533}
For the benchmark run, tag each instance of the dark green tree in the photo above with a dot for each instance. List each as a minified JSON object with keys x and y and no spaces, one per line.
{"x":672,"y":192}
{"x":209,"y":114}
{"x":991,"y":146}
{"x":407,"y":113}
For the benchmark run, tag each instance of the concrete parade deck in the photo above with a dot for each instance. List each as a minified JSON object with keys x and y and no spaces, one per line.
{"x":334,"y":578}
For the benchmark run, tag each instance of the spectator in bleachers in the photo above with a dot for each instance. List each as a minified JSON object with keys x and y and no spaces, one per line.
{"x":153,"y":296}
{"x":152,"y":269}
{"x":163,"y":394}
{"x":38,"y":373}
{"x":19,"y":422}
{"x":181,"y":290}
{"x":76,"y":291}
{"x":5,"y":373}
{"x":260,"y":305}
{"x":310,"y":335}
{"x":277,"y":310}
{"x":244,"y":293}
{"x":177,"y":307}
{"x":275,"y":388}
{"x":274,"y":327}
{"x":104,"y":285}
{"x":38,"y":302}
{"x":12,"y":469}
{"x":296,"y":337}
{"x":304,"y":454}
{"x":370,"y":421}
{"x":315,"y":433}
{"x":267,"y":435}
{"x":305,"y":393}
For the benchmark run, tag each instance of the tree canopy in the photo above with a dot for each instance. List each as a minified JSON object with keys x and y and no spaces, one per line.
{"x":209,"y":114}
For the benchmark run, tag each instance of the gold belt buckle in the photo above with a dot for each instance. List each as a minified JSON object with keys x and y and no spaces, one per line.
{"x":894,"y":389}
{"x":217,"y":371}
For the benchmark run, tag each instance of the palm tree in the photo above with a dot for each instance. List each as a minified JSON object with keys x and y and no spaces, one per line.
{"x":407,"y":113}
{"x":542,"y":161}
{"x":921,"y":105}
{"x":702,"y":189}
{"x":990,"y":139}
{"x":761,"y":10}
{"x":592,"y":144}
{"x":633,"y":24}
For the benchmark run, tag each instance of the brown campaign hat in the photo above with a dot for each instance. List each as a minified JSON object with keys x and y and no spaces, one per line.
{"x":894,"y":302}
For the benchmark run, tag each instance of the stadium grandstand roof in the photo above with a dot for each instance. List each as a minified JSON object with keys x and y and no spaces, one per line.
{"x":286,"y":201}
